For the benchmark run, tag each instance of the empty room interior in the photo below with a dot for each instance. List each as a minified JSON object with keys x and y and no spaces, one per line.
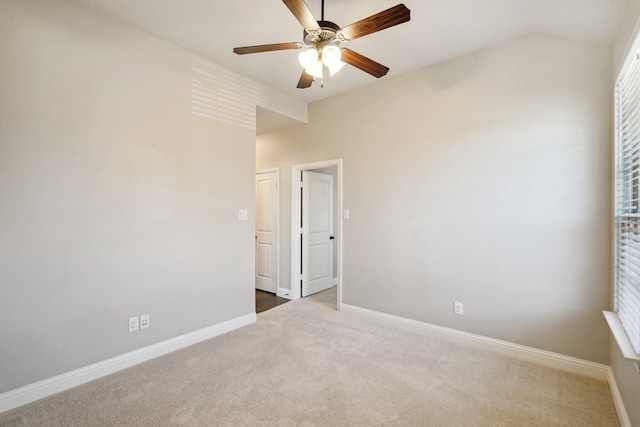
{"x":473,"y":167}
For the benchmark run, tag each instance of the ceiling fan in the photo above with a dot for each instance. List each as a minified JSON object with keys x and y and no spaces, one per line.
{"x":323,"y":39}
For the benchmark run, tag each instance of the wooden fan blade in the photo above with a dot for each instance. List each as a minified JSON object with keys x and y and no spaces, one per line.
{"x":305,"y":80}
{"x":362,"y":62}
{"x":266,"y":48}
{"x":302,"y":13}
{"x":380,"y":21}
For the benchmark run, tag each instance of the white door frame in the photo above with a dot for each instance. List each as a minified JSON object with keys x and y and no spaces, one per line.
{"x":279,"y":291}
{"x":296,"y":170}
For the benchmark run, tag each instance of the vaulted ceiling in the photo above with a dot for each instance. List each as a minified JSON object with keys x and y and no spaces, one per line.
{"x":438,"y":30}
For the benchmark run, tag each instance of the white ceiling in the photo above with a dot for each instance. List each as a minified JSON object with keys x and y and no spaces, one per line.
{"x":438,"y":30}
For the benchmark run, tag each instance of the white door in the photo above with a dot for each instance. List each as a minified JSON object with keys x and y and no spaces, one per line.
{"x":267,"y":231}
{"x":317,"y":232}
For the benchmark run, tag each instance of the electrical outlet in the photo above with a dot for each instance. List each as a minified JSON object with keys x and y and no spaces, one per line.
{"x":134,"y":324}
{"x":145,"y":321}
{"x":458,"y":308}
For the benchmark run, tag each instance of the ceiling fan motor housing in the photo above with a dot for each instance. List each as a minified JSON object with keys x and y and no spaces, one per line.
{"x":329,"y":33}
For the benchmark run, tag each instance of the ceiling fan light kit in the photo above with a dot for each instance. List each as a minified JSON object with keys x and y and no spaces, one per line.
{"x":322,"y":40}
{"x":316,"y":58}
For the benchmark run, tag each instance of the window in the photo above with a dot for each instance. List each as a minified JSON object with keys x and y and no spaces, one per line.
{"x":627,"y":196}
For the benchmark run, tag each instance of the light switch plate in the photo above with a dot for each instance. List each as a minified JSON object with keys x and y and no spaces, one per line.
{"x":243,"y":215}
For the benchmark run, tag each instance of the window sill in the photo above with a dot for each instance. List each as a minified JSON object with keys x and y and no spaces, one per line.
{"x":628,"y":352}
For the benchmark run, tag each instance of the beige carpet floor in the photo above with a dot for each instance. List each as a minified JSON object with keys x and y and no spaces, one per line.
{"x":305,"y":364}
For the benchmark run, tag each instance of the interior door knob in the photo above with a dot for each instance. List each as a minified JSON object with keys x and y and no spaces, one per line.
{"x":331,"y":237}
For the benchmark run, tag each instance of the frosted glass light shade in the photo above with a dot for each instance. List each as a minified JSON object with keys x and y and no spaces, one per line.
{"x":310,"y":62}
{"x":331,"y":55}
{"x":335,"y":67}
{"x":307,"y":57}
{"x":315,"y":69}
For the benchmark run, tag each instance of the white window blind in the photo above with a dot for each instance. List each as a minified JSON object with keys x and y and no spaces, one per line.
{"x":627,"y":194}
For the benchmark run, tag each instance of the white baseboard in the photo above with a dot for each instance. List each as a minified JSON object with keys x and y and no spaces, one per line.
{"x":23,"y":395}
{"x":284,"y":293}
{"x":534,"y":355}
{"x":623,"y":417}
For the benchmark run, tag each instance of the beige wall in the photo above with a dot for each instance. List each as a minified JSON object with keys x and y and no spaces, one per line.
{"x":115,"y":200}
{"x":484,"y":179}
{"x":627,"y":378}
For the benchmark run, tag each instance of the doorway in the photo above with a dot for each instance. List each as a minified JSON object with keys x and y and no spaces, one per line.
{"x":267,"y":248}
{"x":300,"y":241}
